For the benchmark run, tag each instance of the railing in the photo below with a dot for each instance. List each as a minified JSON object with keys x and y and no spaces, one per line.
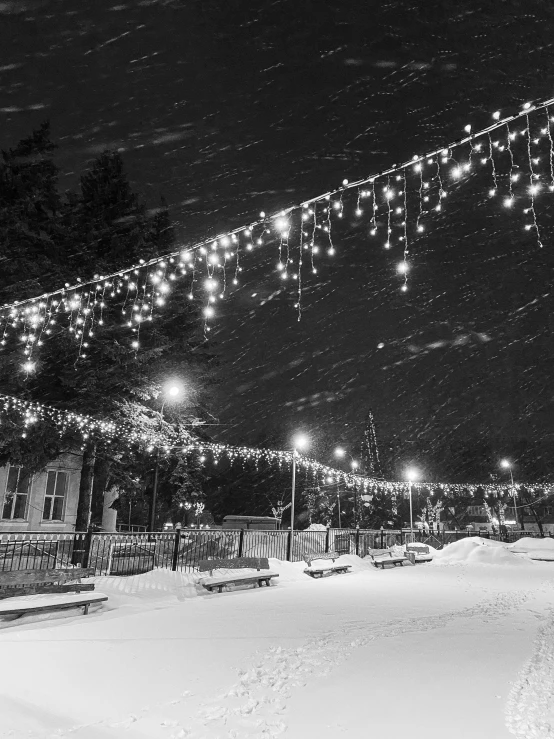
{"x":131,"y":553}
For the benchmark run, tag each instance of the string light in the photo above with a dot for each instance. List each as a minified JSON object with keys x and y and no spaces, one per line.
{"x":82,"y":423}
{"x":183,"y":443}
{"x":80,"y":308}
{"x":353,"y":480}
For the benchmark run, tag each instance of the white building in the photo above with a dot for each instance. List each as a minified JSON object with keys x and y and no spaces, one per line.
{"x":43,"y":501}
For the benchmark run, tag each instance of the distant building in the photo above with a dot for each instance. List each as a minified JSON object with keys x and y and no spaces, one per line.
{"x":475,"y":518}
{"x":545,"y":513}
{"x":43,"y":501}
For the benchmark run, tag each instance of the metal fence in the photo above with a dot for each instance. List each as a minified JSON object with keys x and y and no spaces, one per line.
{"x":132,"y":553}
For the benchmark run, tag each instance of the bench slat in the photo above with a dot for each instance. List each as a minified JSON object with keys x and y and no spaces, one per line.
{"x":417,"y":550}
{"x":239,"y":577}
{"x":15,"y":591}
{"x":20,"y":577}
{"x":8,"y":608}
{"x":321,"y":570}
{"x":253,"y":563}
{"x":213,"y":582}
{"x":312,"y":556}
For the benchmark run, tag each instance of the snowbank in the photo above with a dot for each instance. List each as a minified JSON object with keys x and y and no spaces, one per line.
{"x":165,"y":587}
{"x":528,"y":544}
{"x":476,"y":550}
{"x":540,"y":549}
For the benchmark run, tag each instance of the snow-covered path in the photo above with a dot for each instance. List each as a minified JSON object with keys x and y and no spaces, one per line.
{"x":463,"y":646}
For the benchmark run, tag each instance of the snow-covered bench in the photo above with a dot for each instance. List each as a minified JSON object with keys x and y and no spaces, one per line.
{"x":387,"y":557}
{"x":421,"y":551}
{"x":320,"y":570}
{"x":222,"y":579}
{"x":33,"y":591}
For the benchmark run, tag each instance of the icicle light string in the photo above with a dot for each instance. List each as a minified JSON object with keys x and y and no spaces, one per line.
{"x":170,"y":442}
{"x":30,"y":316}
{"x":360,"y":482}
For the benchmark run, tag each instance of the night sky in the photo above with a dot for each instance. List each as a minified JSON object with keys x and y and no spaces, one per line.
{"x":230,"y":108}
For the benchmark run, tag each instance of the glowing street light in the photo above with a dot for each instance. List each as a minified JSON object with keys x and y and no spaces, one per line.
{"x":341,"y":453}
{"x":411,"y":474}
{"x":507,"y":465}
{"x":172,"y":391}
{"x":300,"y":441}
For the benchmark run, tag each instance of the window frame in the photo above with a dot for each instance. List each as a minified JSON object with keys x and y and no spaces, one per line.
{"x":16,"y":494}
{"x":53,"y":496}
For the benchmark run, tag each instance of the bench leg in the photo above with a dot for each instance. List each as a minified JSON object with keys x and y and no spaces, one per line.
{"x":220,"y":588}
{"x":85,"y":609}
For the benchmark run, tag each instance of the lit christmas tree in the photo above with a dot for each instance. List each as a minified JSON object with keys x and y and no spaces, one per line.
{"x":371,"y":464}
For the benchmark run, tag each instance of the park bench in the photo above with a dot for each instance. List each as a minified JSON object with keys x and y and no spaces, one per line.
{"x":421,"y":552}
{"x":223,"y":579}
{"x":322,"y":569}
{"x":34,"y":591}
{"x":386,"y":557}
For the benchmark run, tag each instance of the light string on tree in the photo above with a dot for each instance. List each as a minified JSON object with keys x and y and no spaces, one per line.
{"x":410,"y":191}
{"x":31,"y":412}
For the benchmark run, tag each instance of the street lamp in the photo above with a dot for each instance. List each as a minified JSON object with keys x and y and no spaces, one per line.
{"x":507,"y":465}
{"x":330,"y":480}
{"x":172,"y":391}
{"x":341,"y":453}
{"x":411,"y":474}
{"x":300,"y":441}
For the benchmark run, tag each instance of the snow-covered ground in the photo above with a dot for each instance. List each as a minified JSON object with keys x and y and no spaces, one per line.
{"x":460,"y":647}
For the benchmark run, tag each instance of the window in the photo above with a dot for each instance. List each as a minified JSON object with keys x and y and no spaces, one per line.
{"x":17,"y":493}
{"x":56,"y":488}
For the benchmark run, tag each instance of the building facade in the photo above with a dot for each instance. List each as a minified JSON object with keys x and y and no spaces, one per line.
{"x":44,"y":501}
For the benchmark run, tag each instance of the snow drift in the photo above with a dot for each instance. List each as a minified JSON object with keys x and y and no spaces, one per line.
{"x":476,"y":550}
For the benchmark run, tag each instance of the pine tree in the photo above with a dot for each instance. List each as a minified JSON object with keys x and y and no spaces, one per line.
{"x":99,"y":229}
{"x":31,"y":230}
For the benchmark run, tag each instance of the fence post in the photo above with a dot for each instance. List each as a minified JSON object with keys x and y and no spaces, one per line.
{"x":241,"y":542}
{"x":176,"y":545}
{"x":289,"y":546}
{"x":86,"y":548}
{"x":327,"y":539}
{"x":358,"y":541}
{"x":382,"y":537}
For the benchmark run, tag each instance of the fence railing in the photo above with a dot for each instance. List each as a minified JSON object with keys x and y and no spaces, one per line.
{"x":131,"y":553}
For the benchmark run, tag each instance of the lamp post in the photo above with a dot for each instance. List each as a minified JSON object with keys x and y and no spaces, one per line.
{"x":411,"y":474}
{"x":507,"y":465}
{"x":330,"y":480}
{"x":341,"y":453}
{"x":172,"y":391}
{"x":299,"y":442}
